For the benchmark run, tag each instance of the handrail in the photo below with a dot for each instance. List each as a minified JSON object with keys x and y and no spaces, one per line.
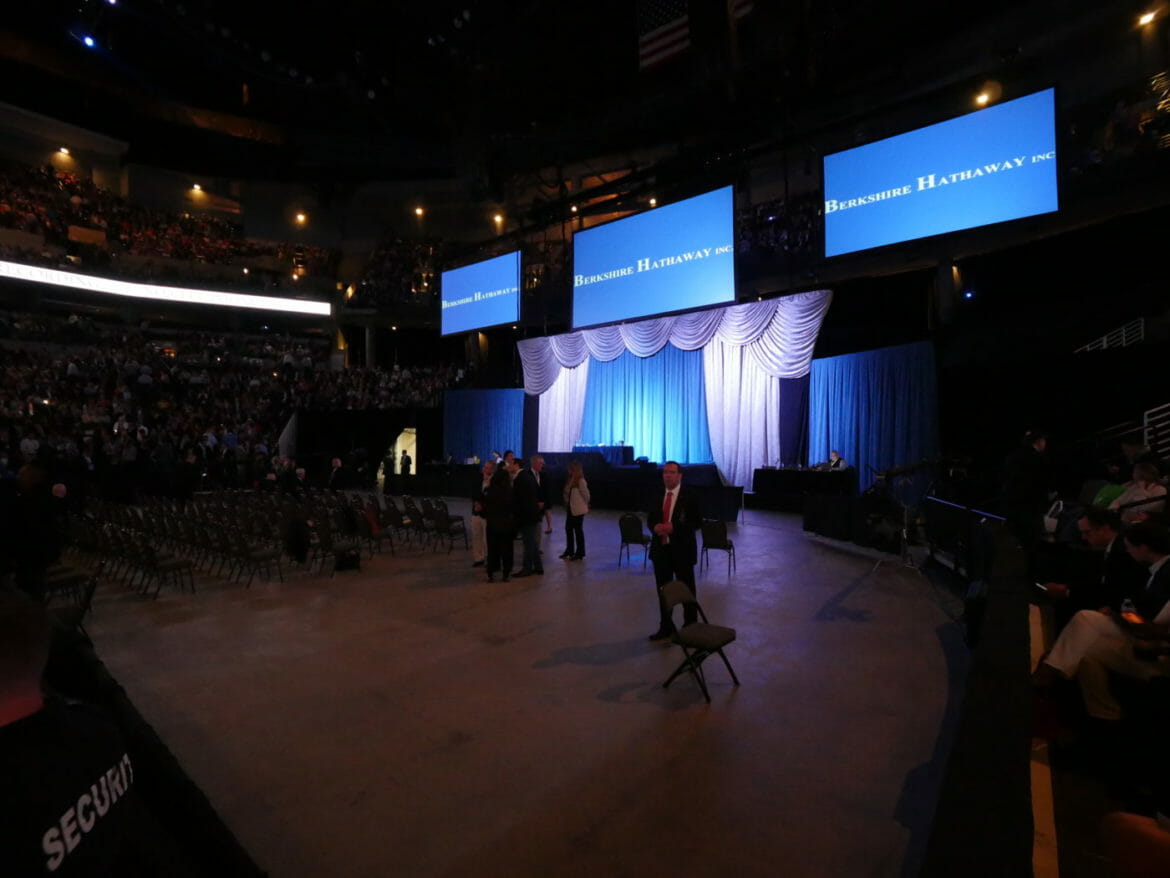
{"x":1130,"y":333}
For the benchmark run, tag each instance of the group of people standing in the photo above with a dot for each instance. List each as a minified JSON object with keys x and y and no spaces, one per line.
{"x":511,"y":499}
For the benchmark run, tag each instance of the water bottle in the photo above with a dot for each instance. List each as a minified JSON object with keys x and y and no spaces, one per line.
{"x":1129,"y":611}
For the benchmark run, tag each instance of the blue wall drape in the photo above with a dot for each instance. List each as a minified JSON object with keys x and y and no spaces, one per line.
{"x":879,"y":409}
{"x":656,"y":404}
{"x":477,"y":422}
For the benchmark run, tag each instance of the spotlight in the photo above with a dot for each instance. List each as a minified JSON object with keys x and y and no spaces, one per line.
{"x":301,"y":218}
{"x":1147,"y":18}
{"x":572,"y":208}
{"x":653,"y":202}
{"x":88,"y":40}
{"x":64,"y":150}
{"x":418,"y":211}
{"x":969,"y":295}
{"x":245,"y":270}
{"x":989,"y":92}
{"x":196,"y":187}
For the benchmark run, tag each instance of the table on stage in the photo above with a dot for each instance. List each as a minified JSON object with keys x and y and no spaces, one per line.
{"x":615,"y":455}
{"x":827,"y":498}
{"x":772,"y":486}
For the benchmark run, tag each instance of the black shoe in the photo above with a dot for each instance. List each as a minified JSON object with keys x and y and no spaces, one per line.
{"x":477,"y":564}
{"x":520,"y":573}
{"x":662,"y":634}
{"x":576,"y":557}
{"x":566,"y":556}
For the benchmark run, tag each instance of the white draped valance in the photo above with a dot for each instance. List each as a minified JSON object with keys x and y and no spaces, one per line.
{"x":779,"y":336}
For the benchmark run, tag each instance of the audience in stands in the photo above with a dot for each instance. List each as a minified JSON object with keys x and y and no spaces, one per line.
{"x":115,"y":411}
{"x":46,"y":202}
{"x":1100,"y":576}
{"x":1133,"y":451}
{"x":399,"y":271}
{"x":1144,"y":494}
{"x":1097,"y":642}
{"x":786,"y":230}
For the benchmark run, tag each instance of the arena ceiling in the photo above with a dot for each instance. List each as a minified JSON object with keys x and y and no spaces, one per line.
{"x":361,"y":89}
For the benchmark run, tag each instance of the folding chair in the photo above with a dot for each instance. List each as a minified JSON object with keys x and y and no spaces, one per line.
{"x":446,"y":528}
{"x":715,"y":537}
{"x":698,"y":641}
{"x":630,"y":526}
{"x":73,"y":615}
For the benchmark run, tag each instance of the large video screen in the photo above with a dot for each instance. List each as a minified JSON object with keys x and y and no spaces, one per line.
{"x":673,"y":258}
{"x":986,"y":167}
{"x":481,"y":294}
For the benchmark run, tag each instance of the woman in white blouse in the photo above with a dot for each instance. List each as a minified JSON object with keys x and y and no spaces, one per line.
{"x":1145,"y":486}
{"x":576,"y":497}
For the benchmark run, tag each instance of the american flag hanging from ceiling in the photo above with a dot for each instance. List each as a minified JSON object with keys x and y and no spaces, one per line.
{"x":740,"y":8}
{"x":664,"y":30}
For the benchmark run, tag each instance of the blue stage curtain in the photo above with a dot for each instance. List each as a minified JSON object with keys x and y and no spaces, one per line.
{"x":477,"y":422}
{"x":878,"y":409}
{"x":655,"y":404}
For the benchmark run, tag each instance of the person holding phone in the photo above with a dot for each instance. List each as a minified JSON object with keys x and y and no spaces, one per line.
{"x":1100,"y":578}
{"x":1097,"y":642}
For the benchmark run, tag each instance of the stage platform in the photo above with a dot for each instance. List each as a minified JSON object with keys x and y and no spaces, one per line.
{"x":624,"y":488}
{"x":414,"y":719}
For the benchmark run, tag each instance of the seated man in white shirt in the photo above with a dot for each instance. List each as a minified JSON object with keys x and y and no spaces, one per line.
{"x":1095,"y":643}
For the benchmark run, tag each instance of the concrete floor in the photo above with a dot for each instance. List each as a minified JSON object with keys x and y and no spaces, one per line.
{"x":413,"y":719}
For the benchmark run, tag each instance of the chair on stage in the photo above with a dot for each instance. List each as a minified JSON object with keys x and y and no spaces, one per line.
{"x":699,"y":641}
{"x":633,"y":535}
{"x":715,"y":537}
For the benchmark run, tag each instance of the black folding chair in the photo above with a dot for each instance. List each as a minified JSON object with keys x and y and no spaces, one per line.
{"x":715,"y":537}
{"x":699,"y":641}
{"x":633,"y":535}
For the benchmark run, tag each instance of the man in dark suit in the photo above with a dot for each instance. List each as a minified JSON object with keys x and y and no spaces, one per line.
{"x":673,"y":519}
{"x":530,"y":496}
{"x":1093,"y":644}
{"x":341,"y":476}
{"x":1101,"y":575}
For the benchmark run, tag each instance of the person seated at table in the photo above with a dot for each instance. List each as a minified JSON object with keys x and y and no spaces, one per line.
{"x":836,"y":461}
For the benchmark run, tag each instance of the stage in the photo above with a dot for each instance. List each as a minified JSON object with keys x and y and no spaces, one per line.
{"x":623,"y":488}
{"x":413,"y":719}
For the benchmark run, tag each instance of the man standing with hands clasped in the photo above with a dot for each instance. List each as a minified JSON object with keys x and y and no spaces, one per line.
{"x":530,"y":497}
{"x":673,"y":520}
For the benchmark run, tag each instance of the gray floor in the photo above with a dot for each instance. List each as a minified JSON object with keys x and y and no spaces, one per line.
{"x":413,"y":719}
